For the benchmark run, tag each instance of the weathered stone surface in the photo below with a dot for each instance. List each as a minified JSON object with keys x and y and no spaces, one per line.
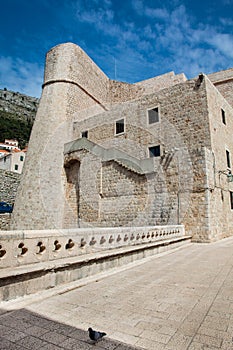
{"x":9,"y":182}
{"x":182,"y":300}
{"x":31,"y":261}
{"x":188,"y":183}
{"x":224,"y":83}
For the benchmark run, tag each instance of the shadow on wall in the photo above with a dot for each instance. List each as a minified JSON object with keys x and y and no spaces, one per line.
{"x":23,"y":329}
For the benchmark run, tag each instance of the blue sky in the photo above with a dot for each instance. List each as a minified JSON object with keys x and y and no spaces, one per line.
{"x":129,"y":40}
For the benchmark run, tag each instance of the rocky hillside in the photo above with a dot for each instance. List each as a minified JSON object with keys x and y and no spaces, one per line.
{"x":17,"y":114}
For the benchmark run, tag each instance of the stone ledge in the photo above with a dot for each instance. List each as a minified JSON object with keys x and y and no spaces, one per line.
{"x":24,"y":280}
{"x":25,"y":248}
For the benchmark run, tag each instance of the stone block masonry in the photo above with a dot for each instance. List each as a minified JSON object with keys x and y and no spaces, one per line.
{"x":223,"y":81}
{"x":9,"y":182}
{"x":173,"y":190}
{"x":70,"y":79}
{"x":184,"y":145}
{"x":5,"y":221}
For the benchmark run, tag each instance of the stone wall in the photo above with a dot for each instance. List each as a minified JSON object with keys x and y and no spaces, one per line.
{"x":73,"y":88}
{"x":5,"y":221}
{"x":92,"y":191}
{"x":223,"y":81}
{"x":9,"y":182}
{"x":221,"y":223}
{"x":182,"y":109}
{"x":175,"y":191}
{"x":161,"y":82}
{"x":121,"y":92}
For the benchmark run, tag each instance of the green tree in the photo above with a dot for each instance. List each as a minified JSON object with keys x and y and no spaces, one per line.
{"x":11,"y":127}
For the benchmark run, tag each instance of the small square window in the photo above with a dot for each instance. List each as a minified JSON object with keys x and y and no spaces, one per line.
{"x":154,"y":151}
{"x":85,"y":134}
{"x":223,"y":116}
{"x":231,"y":199}
{"x":228,"y":159}
{"x":120,"y":126}
{"x":153,"y":115}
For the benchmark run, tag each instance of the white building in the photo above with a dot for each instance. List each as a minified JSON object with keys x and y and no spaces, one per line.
{"x":9,"y":145}
{"x":3,"y":152}
{"x":12,"y":161}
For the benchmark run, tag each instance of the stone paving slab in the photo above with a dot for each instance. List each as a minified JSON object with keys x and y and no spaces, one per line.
{"x":23,"y":329}
{"x":180,"y":300}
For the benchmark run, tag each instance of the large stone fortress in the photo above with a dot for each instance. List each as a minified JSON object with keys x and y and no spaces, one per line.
{"x":106,"y":153}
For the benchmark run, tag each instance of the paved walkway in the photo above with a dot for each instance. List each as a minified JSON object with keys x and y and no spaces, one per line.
{"x":178,"y":301}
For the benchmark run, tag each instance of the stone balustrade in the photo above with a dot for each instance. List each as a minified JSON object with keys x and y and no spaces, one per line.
{"x":32,"y":261}
{"x":18,"y":248}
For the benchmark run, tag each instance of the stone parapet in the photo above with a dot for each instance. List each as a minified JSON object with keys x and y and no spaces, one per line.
{"x":28,"y":247}
{"x":161,"y":82}
{"x":34,"y":261}
{"x":223,"y":81}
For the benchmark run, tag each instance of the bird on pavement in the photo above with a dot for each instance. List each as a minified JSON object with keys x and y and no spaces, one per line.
{"x":95,"y":335}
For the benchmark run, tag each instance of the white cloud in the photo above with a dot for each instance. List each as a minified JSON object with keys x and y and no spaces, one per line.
{"x":188,"y":46}
{"x":223,"y":43}
{"x":163,"y":39}
{"x":96,"y":17}
{"x":18,"y":75}
{"x":226,"y":21}
{"x":137,"y":5}
{"x":159,"y":13}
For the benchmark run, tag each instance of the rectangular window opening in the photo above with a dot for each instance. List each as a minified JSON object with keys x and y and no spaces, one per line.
{"x":120,"y":126}
{"x":223,"y":116}
{"x":231,"y":199}
{"x":21,"y":158}
{"x":154,"y":151}
{"x":85,"y":134}
{"x":228,"y":159}
{"x":16,"y":167}
{"x":153,"y":115}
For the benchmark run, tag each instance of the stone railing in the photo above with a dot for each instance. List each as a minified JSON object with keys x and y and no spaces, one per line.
{"x":19,"y":248}
{"x":140,"y":166}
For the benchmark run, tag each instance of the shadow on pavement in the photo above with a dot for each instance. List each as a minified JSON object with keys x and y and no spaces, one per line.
{"x":23,"y":329}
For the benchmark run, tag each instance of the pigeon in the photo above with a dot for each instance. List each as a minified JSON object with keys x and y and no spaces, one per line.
{"x":95,"y":335}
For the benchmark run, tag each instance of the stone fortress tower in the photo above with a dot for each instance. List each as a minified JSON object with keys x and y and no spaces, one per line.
{"x":106,"y":153}
{"x":72,"y":83}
